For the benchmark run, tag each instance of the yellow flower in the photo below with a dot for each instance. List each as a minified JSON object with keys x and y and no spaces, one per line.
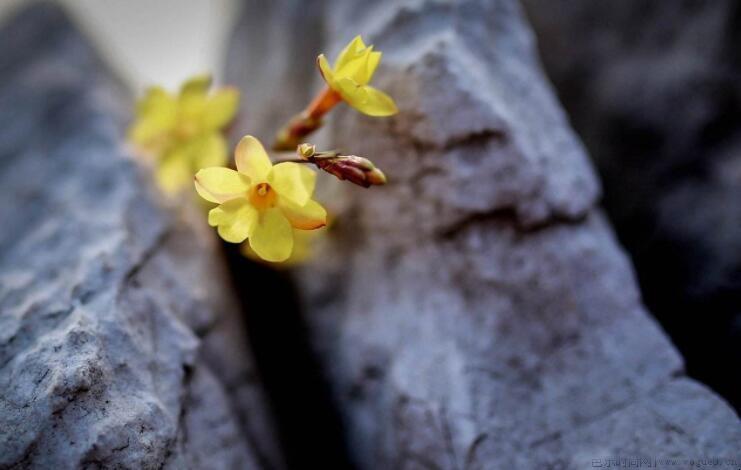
{"x":261,"y":201}
{"x":184,"y":132}
{"x":350,"y":76}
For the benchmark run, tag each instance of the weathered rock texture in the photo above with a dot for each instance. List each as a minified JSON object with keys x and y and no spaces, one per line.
{"x":654,"y":89}
{"x":120,"y":346}
{"x":476,"y":312}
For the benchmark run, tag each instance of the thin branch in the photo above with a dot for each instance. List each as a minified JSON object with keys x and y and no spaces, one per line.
{"x":291,"y":160}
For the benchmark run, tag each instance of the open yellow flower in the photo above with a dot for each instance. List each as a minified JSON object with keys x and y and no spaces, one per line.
{"x":350,"y":76}
{"x":183,"y":132}
{"x":346,"y":81}
{"x":260,"y":201}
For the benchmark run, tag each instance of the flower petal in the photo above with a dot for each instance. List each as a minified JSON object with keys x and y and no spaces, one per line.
{"x":217,"y":184}
{"x":352,"y":93}
{"x":197,"y":85}
{"x":153,"y":99}
{"x":191,"y":109}
{"x":349,"y":53}
{"x":308,"y":177}
{"x":326,"y":70}
{"x":272,"y":237}
{"x":209,"y":150}
{"x":374,"y":59}
{"x":303,"y":246}
{"x":379,"y":103}
{"x":220,"y":108}
{"x":310,"y":216}
{"x":173,"y":172}
{"x":355,"y":70}
{"x":252,"y":160}
{"x":192,"y":103}
{"x":236,"y":219}
{"x":367,"y":100}
{"x":156,"y":114}
{"x":288,"y":180}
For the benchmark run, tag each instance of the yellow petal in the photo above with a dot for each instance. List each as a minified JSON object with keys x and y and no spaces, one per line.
{"x":221,"y":184}
{"x":152,"y":98}
{"x":272,"y":237}
{"x":303,"y":241}
{"x":208,"y":150}
{"x":349,"y":53}
{"x":366,"y":99}
{"x":197,"y":85}
{"x":173,"y":172}
{"x":288,"y":181}
{"x":236,"y":220}
{"x":355,"y":70}
{"x":252,"y":160}
{"x":373,"y":60}
{"x":156,"y":115}
{"x":310,"y":216}
{"x":302,"y":246}
{"x":192,"y":105}
{"x":308,"y":177}
{"x":191,"y":109}
{"x":352,"y":93}
{"x":326,"y":70}
{"x":220,"y":108}
{"x":378,"y":103}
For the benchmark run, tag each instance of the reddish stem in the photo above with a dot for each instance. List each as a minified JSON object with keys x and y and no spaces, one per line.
{"x":307,"y":121}
{"x":323,"y":103}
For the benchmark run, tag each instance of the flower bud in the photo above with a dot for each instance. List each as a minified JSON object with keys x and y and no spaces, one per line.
{"x":306,"y":151}
{"x":376,"y":177}
{"x":357,"y":170}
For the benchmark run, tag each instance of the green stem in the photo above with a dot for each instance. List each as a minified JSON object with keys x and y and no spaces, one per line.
{"x":292,"y":160}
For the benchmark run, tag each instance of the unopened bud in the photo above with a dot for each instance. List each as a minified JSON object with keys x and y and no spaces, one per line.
{"x":357,"y":170}
{"x":376,"y":177}
{"x":306,"y":151}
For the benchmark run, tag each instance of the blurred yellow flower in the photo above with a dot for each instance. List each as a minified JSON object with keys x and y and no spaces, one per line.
{"x":183,"y":132}
{"x":350,"y":76}
{"x":260,"y":201}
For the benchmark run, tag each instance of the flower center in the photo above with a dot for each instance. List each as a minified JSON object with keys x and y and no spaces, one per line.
{"x":262,"y":196}
{"x":186,"y":130}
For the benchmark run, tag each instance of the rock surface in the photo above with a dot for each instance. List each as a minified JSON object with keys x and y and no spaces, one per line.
{"x":118,"y":345}
{"x":654,"y":89}
{"x":477,"y":311}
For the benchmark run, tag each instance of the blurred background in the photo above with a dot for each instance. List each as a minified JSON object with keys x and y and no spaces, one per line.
{"x":152,"y":42}
{"x":654,"y":91}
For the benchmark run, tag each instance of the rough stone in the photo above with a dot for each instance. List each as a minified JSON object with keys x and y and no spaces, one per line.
{"x":477,"y":311}
{"x":654,"y":89}
{"x":112,"y":313}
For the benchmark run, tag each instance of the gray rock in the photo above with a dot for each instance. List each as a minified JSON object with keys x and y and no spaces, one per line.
{"x":477,"y":311}
{"x":654,"y":89}
{"x":112,"y":309}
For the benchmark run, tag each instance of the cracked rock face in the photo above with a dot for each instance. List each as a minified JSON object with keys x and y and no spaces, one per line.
{"x":477,"y":311}
{"x":110,"y":351}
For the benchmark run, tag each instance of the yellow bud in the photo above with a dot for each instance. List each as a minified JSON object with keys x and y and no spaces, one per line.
{"x":306,"y":151}
{"x":376,"y":177}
